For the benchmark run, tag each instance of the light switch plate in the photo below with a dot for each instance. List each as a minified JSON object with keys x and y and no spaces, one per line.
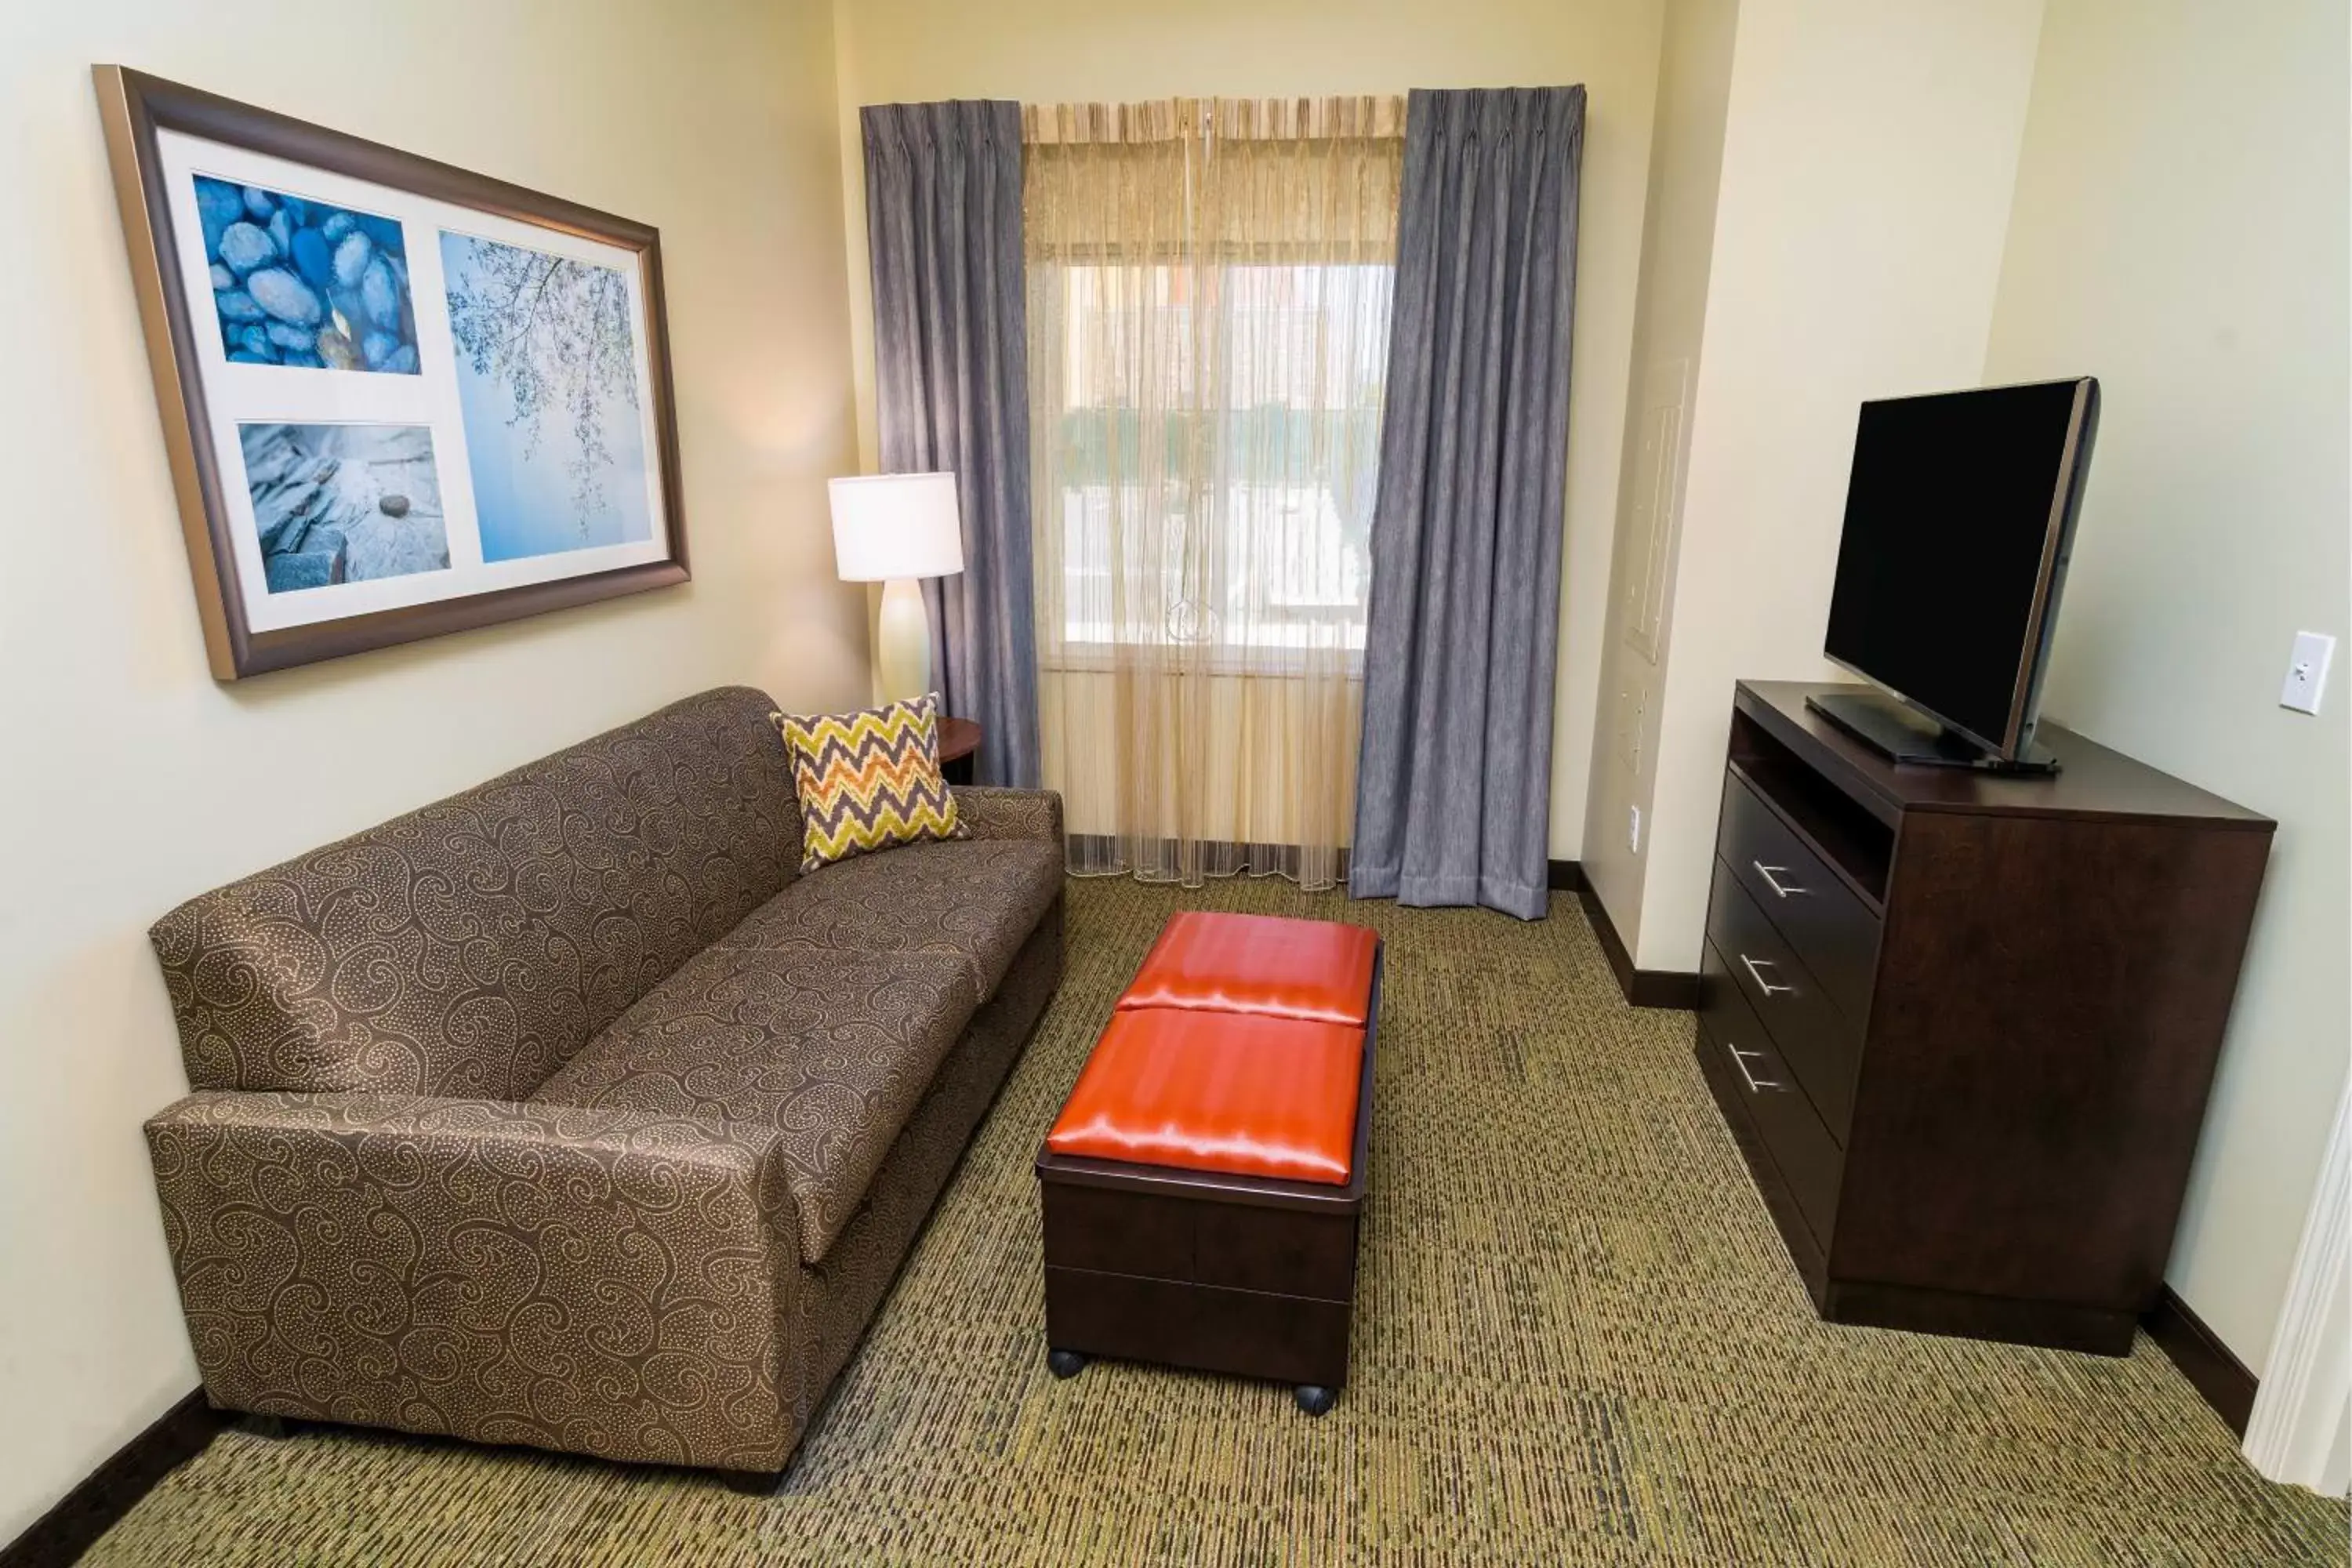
{"x":2306,"y":671}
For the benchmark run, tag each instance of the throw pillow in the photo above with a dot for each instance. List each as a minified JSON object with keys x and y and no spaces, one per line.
{"x":869,"y":780}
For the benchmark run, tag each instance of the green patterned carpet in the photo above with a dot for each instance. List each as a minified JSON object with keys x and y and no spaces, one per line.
{"x":1576,"y":1340}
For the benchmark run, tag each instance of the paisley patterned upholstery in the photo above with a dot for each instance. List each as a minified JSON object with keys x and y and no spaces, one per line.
{"x":974,"y":899}
{"x":827,"y":1051}
{"x":594,"y":1281}
{"x":495,"y":1137}
{"x":986,"y":811}
{"x":469,"y":947}
{"x":838,"y":1297}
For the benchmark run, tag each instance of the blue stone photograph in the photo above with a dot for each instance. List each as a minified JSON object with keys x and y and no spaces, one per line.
{"x":343,"y":503}
{"x":547,"y":385}
{"x":306,"y":285}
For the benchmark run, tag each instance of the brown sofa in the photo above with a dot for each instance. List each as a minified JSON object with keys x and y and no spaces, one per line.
{"x":568,"y":1112}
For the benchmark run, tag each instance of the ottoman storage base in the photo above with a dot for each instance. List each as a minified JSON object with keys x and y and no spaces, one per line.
{"x":1245,"y":1333}
{"x":1212,"y":1270}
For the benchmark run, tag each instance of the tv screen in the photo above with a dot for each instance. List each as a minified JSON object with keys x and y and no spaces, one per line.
{"x":1956,"y":503}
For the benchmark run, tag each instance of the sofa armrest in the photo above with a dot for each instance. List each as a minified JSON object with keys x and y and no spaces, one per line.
{"x":596,"y":1281}
{"x":993,"y":812}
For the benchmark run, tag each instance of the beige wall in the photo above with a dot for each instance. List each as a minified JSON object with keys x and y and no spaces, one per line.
{"x":1055,"y":50}
{"x":1868,"y":159}
{"x":1678,"y":246}
{"x":133,"y":780}
{"x":2181,"y":231}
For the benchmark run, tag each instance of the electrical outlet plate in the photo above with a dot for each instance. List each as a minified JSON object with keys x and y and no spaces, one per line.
{"x":2306,"y":671}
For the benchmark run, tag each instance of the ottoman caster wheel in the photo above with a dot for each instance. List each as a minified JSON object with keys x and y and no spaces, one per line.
{"x":1314,"y":1398}
{"x":1065,"y":1363}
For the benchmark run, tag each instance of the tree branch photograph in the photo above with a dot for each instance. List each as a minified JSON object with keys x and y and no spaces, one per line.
{"x":547,"y":376}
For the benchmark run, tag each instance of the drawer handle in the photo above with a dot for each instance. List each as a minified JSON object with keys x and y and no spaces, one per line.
{"x":1755,"y":973}
{"x":1755,"y":1085}
{"x":1774,"y":882}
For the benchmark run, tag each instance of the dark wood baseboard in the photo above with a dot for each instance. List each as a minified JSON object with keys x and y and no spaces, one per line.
{"x":2220,"y":1377}
{"x":1642,"y":987}
{"x":61,"y":1535}
{"x":1564,"y":876}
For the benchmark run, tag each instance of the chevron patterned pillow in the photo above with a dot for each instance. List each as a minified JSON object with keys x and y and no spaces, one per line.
{"x":869,"y":780}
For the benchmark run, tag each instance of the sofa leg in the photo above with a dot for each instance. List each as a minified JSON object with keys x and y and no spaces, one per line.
{"x":753,"y":1483}
{"x":1314,"y":1398}
{"x":1065,"y":1363}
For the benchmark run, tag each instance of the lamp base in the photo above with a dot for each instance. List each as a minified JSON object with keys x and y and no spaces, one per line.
{"x":903,"y":653}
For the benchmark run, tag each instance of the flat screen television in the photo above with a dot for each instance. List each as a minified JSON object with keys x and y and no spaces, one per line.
{"x":1959,"y":517}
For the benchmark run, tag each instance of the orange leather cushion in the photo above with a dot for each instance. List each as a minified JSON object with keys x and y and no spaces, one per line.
{"x":1218,"y":1091}
{"x":1259,"y":964}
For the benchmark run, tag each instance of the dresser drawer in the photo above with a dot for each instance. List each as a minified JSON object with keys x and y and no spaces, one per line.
{"x":1808,"y":1158}
{"x":1818,"y":1041}
{"x":1832,"y":931}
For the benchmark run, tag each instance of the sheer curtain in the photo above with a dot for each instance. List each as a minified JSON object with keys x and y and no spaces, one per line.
{"x":1209,"y":286}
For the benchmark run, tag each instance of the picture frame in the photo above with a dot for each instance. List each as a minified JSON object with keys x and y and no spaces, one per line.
{"x":399,"y":399}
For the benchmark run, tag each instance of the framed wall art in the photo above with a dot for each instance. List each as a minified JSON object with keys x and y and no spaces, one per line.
{"x":400,"y":399}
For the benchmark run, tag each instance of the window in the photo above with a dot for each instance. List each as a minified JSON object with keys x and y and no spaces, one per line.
{"x":1237,"y":444}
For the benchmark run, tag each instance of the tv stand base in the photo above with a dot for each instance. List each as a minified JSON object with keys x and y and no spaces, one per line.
{"x":1895,"y":731}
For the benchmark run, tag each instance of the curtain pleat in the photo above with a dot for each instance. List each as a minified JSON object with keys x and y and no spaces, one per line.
{"x":1209,"y":288}
{"x":943,"y":231}
{"x":1455,"y":783}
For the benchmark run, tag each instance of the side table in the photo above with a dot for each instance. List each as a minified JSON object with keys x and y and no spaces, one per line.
{"x":959,"y":743}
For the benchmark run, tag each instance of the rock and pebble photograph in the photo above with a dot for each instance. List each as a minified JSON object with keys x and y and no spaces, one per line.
{"x":304,"y":284}
{"x":343,"y":503}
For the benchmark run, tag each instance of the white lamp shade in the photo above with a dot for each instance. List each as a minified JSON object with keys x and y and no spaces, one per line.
{"x":896,"y":525}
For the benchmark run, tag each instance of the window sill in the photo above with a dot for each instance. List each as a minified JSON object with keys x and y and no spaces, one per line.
{"x":1261,"y":663}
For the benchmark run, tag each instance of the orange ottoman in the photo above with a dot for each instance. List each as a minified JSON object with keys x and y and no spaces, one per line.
{"x":1202,"y":1186}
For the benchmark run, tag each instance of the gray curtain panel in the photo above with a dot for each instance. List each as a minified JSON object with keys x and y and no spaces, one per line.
{"x":952,"y":387}
{"x":1454,"y":782}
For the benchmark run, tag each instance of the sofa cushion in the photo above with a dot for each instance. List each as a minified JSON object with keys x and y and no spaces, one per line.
{"x":467,"y":948}
{"x":828,"y":1052}
{"x":976,"y":899}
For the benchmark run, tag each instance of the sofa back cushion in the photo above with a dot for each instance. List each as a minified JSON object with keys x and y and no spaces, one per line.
{"x":470,"y":948}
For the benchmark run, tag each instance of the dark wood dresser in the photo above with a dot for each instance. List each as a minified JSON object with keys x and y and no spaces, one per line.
{"x":1963,"y":1025}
